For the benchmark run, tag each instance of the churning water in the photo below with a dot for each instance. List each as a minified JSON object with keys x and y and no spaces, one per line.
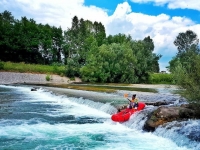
{"x":41,"y":120}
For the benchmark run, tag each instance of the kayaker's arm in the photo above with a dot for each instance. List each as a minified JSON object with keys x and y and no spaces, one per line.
{"x":129,"y":100}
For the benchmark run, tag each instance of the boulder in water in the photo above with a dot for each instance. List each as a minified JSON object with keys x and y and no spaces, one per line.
{"x":167,"y":114}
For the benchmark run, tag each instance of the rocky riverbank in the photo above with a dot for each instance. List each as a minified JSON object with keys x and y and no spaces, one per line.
{"x":33,"y":78}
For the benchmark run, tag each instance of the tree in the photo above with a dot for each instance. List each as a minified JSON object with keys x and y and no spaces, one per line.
{"x":57,"y":42}
{"x":110,"y":63}
{"x":185,"y":67}
{"x":76,"y":46}
{"x":7,"y":22}
{"x":119,"y":38}
{"x":153,"y":62}
{"x":184,"y":41}
{"x":99,"y":32}
{"x":45,"y":43}
{"x":187,"y":45}
{"x":146,"y":60}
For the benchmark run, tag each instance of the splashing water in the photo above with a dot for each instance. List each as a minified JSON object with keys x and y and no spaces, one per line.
{"x":42,"y":120}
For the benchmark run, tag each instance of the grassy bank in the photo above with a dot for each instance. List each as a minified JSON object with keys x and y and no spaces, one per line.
{"x":32,"y":68}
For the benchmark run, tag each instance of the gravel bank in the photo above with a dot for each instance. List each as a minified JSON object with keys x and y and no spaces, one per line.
{"x":13,"y":77}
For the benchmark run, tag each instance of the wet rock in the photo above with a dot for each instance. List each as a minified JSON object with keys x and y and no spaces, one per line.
{"x":165,"y":114}
{"x":33,"y":89}
{"x":158,"y":103}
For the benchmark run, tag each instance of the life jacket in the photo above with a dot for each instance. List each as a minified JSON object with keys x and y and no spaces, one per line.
{"x":134,"y":100}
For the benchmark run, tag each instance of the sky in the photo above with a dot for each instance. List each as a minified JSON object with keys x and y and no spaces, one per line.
{"x":162,"y":20}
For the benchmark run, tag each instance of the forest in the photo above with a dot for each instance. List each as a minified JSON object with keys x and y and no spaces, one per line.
{"x":84,"y":49}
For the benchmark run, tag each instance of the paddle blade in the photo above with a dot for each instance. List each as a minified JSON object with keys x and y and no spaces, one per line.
{"x":125,"y":95}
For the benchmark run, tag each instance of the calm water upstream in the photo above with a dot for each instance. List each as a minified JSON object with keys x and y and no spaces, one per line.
{"x":41,"y":120}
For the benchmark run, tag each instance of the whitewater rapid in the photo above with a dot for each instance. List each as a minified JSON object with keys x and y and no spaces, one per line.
{"x":43,"y":120}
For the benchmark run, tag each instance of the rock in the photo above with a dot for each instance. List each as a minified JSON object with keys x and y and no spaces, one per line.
{"x":167,"y":114}
{"x":158,"y":103}
{"x":33,"y":89}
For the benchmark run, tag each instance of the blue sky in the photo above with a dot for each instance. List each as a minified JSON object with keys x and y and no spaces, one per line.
{"x":162,"y":20}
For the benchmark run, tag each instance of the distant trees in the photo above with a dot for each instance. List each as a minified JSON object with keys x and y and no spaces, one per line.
{"x":83,"y":48}
{"x":185,"y":66}
{"x":26,"y":41}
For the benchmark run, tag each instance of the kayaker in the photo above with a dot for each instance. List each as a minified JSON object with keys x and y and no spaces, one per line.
{"x":133,"y":102}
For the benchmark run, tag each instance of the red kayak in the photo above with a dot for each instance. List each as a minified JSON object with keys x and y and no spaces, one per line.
{"x":125,"y":114}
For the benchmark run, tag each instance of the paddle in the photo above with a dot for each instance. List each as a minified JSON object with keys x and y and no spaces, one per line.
{"x":126,"y":96}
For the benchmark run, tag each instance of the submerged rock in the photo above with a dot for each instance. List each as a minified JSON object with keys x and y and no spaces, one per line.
{"x":166,"y":114}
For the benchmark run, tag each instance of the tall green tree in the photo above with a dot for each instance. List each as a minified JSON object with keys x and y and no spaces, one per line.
{"x":7,"y":22}
{"x":57,"y":43}
{"x":187,"y":45}
{"x":185,"y":67}
{"x":185,"y":41}
{"x":45,"y":43}
{"x":99,"y":32}
{"x":153,"y":61}
{"x":76,"y":40}
{"x":146,"y":60}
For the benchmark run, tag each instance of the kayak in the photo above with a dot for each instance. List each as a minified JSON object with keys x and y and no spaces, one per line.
{"x":125,"y":114}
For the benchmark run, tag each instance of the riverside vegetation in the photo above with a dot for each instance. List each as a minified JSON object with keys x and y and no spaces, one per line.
{"x":154,"y":78}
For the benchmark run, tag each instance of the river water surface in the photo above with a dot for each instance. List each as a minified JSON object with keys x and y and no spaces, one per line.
{"x":42,"y":120}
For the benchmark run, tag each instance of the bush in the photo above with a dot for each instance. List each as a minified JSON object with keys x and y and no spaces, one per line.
{"x":48,"y":77}
{"x":188,"y":78}
{"x":1,"y":65}
{"x":160,"y":78}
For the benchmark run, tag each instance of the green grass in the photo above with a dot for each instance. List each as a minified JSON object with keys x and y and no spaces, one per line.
{"x":159,"y":78}
{"x":33,"y":68}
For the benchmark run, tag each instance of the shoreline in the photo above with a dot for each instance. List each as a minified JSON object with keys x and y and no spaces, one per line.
{"x":33,"y":78}
{"x":36,"y":78}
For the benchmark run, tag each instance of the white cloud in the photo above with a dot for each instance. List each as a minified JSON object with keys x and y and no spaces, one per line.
{"x":55,"y":12}
{"x":174,"y":4}
{"x":162,"y":28}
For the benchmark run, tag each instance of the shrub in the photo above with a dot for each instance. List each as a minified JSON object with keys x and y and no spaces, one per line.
{"x":48,"y":77}
{"x":187,"y":77}
{"x":1,"y":65}
{"x":160,"y":78}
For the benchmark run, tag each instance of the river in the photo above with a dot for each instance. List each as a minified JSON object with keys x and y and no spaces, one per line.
{"x":43,"y":120}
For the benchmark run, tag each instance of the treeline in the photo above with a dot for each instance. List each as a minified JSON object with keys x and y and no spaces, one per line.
{"x":84,"y":49}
